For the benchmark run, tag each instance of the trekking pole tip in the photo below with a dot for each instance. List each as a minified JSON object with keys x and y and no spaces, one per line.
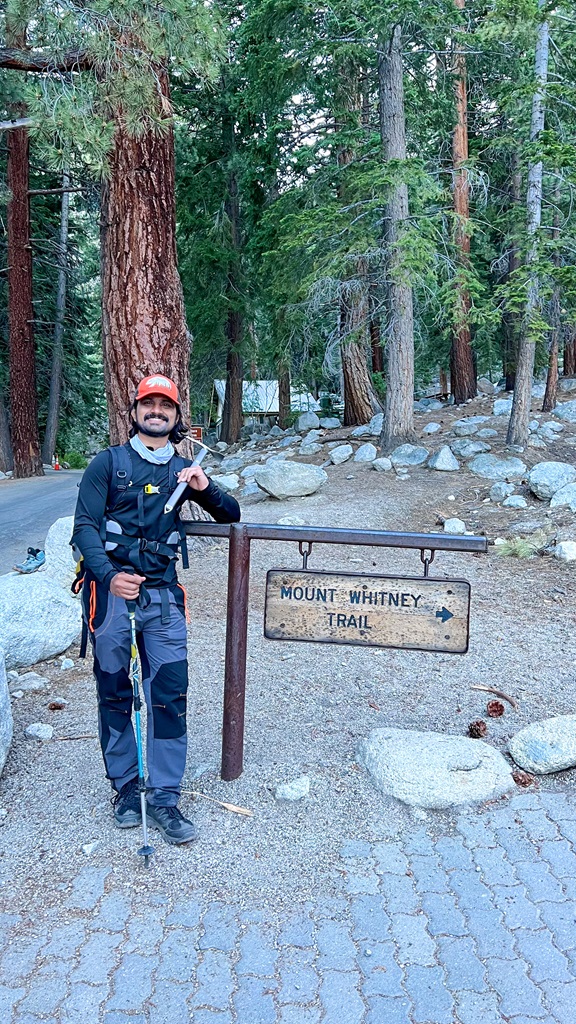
{"x":146,"y":852}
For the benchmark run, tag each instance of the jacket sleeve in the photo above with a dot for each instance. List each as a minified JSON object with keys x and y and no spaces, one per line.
{"x":90,"y":511}
{"x":221,"y":506}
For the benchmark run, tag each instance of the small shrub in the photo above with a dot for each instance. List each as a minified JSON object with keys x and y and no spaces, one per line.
{"x":75,"y":460}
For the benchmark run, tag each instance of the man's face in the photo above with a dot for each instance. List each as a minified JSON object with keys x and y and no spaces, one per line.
{"x":156,"y":416}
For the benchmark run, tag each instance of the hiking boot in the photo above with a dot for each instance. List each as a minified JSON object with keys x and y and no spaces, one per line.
{"x":175,"y":828}
{"x":35,"y":559}
{"x":126,"y":804}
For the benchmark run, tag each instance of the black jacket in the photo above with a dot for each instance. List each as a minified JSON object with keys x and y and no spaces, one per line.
{"x":139,"y":514}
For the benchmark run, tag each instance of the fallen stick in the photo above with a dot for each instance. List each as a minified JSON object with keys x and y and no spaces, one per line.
{"x":221,"y":803}
{"x":88,"y":736}
{"x":497,"y":693}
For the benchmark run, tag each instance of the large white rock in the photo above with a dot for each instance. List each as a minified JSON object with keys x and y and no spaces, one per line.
{"x":485,"y":386}
{"x":362,"y":431}
{"x":548,"y":477}
{"x":60,"y":565}
{"x":330,"y":423}
{"x":547,"y":746}
{"x":444,"y":461}
{"x":290,"y":479}
{"x":567,"y":384}
{"x":466,"y":449}
{"x":566,"y":411}
{"x":515,"y":501}
{"x":502,"y":407}
{"x":432,"y":428}
{"x":432,"y":770}
{"x":382,"y":465}
{"x":500,"y":491}
{"x":307,"y":421}
{"x":38,"y":619}
{"x":455,"y":526}
{"x":366,"y":453}
{"x":492,"y":468}
{"x":227,"y":481}
{"x":566,"y":551}
{"x":341,"y":454}
{"x":376,"y":424}
{"x":409,"y":455}
{"x":564,"y":496}
{"x":6,"y":723}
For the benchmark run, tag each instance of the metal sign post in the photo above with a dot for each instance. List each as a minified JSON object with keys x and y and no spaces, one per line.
{"x":414,"y":613}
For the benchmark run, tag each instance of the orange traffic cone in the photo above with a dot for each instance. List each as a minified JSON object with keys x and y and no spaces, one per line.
{"x":56,"y":463}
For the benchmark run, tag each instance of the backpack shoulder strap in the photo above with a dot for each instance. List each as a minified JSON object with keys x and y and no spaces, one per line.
{"x":121,"y":472}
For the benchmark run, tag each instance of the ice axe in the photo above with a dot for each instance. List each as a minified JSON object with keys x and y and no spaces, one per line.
{"x":145,"y":850}
{"x":177,"y":494}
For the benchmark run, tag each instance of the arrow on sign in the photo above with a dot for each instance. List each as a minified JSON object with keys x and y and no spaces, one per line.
{"x":444,"y":614}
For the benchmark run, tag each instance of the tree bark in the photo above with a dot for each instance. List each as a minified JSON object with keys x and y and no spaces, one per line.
{"x":284,"y":403}
{"x":399,"y":416}
{"x":53,"y":417}
{"x":551,"y":392}
{"x":520,"y":416}
{"x":232,"y":414}
{"x":510,"y":322}
{"x":23,"y":399}
{"x":569,"y":361}
{"x":462,"y":370}
{"x":6,"y":460}
{"x":143,"y":319}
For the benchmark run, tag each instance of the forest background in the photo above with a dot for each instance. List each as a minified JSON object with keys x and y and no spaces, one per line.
{"x":355,"y":198}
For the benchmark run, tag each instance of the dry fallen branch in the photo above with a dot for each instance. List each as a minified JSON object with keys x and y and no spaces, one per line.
{"x":498,"y":693}
{"x":88,"y":736}
{"x":228,"y":807}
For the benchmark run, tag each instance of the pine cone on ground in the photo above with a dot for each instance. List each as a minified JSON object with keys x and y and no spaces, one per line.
{"x":478,"y":729}
{"x":523,"y":779}
{"x":495,"y":709}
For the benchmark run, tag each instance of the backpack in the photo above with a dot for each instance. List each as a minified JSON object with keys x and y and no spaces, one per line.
{"x":111,"y":532}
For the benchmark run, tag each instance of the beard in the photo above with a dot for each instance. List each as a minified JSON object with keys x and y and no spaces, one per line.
{"x":157,"y":430}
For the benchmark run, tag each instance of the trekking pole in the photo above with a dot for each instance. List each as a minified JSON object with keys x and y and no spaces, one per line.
{"x":177,"y":494}
{"x":145,"y":850}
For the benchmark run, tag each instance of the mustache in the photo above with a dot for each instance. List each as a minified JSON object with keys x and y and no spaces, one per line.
{"x":155,"y":416}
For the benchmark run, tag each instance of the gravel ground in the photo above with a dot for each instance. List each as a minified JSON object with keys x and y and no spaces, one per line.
{"x":307,"y":707}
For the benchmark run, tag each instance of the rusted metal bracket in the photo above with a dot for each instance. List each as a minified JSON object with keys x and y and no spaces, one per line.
{"x":427,"y":560}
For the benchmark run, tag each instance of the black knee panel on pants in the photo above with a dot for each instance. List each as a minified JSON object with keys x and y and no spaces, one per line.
{"x":169,"y":688}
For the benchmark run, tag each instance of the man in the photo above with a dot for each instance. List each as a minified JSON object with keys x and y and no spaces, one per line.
{"x":129,"y":547}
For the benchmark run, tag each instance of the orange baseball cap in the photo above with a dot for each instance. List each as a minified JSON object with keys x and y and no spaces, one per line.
{"x":157,"y":385}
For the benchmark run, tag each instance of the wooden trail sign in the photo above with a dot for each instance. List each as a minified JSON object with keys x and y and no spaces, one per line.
{"x":409,"y":612}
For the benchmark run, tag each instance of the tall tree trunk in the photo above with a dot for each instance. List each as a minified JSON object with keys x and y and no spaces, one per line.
{"x":143,"y":319}
{"x":232,"y":414}
{"x":551,"y":393}
{"x":462,"y":370}
{"x":399,"y":418}
{"x":360,"y":399}
{"x":6,"y":459}
{"x":510,"y":321}
{"x":49,"y":444}
{"x":375,"y":334}
{"x":22,"y":356}
{"x":569,"y":362}
{"x":284,"y":403}
{"x":520,"y":416}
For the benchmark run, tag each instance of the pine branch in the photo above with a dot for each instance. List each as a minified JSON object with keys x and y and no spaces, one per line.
{"x":25,"y":60}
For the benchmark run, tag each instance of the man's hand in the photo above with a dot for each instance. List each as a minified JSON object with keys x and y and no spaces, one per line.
{"x":126,"y":585}
{"x":195,"y":477}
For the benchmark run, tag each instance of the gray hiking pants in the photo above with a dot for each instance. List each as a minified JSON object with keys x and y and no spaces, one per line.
{"x":161,"y":633}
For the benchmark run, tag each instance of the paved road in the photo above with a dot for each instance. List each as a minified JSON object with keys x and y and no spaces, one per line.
{"x":29,"y":507}
{"x":476,"y":926}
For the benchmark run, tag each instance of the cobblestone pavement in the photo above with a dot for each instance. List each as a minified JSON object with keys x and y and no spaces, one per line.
{"x":473,"y":926}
